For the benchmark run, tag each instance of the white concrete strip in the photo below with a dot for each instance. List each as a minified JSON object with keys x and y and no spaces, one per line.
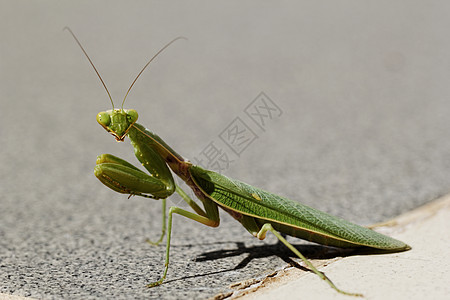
{"x":421,"y":273}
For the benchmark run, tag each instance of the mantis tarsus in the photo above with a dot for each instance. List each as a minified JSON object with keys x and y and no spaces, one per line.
{"x":257,"y":210}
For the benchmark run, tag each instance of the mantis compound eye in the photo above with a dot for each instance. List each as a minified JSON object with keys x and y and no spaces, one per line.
{"x":103,"y":119}
{"x":132,"y":116}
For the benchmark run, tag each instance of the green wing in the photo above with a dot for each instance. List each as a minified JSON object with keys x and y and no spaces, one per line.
{"x":289,"y":216}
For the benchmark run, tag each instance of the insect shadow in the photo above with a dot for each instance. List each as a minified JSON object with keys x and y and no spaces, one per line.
{"x":278,"y":249}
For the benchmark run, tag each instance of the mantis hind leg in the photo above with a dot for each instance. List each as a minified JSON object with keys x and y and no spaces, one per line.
{"x":268,"y":227}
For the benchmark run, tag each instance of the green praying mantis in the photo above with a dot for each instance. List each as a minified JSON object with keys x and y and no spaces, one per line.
{"x":257,"y":210}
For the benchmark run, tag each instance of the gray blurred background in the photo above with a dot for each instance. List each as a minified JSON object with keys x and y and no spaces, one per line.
{"x":361,"y":132}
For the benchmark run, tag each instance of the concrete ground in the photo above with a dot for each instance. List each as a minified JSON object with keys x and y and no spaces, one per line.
{"x":420,"y":273}
{"x":356,"y":124}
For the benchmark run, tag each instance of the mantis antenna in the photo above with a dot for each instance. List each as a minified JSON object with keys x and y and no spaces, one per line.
{"x":154,"y":56}
{"x":100,"y":77}
{"x":92,"y":64}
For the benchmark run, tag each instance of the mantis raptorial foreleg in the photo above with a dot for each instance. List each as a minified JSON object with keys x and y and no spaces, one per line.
{"x":123,"y":177}
{"x":268,"y":227}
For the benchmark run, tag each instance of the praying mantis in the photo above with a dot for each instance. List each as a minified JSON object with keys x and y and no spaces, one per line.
{"x":257,"y":210}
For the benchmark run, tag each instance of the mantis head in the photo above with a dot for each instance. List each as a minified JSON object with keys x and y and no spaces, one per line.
{"x":117,"y":121}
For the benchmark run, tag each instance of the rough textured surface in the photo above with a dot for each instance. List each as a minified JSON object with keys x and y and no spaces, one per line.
{"x":363,"y":91}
